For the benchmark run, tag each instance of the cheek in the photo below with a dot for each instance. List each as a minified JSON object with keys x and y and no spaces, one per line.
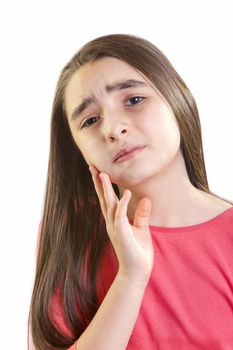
{"x":165,"y":133}
{"x":87,"y":148}
{"x":168,"y":139}
{"x":85,"y":152}
{"x":172,"y":134}
{"x":82,"y":147}
{"x":89,"y":152}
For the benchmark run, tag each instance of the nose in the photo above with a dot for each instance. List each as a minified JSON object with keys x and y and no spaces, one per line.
{"x":115,"y":129}
{"x":115,"y":135}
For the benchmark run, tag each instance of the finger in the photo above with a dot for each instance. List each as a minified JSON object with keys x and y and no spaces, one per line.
{"x":121,"y":211}
{"x":93,"y":170}
{"x":142,"y":214}
{"x":109,"y":195}
{"x":99,"y":189}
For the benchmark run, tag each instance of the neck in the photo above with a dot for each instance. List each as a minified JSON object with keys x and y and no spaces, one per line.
{"x":175,"y":201}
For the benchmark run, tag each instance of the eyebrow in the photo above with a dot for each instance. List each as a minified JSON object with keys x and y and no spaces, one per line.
{"x":121,"y":85}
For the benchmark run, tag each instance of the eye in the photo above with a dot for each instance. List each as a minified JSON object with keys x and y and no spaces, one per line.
{"x":135,"y":100}
{"x":89,"y":122}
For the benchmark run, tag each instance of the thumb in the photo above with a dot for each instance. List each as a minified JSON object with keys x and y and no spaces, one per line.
{"x":142,"y":213}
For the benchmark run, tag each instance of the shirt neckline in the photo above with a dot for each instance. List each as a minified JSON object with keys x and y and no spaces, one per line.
{"x":218,"y":218}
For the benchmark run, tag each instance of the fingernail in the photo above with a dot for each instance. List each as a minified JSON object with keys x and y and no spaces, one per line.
{"x":93,"y":170}
{"x":146,"y":204}
{"x":101,"y":175}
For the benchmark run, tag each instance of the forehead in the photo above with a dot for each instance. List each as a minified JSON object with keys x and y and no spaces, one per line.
{"x":94,"y":76}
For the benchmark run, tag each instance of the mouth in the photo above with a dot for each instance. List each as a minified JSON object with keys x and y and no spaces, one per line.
{"x":127,"y":153}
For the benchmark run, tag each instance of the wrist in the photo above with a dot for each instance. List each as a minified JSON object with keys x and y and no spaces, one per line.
{"x":134,"y":280}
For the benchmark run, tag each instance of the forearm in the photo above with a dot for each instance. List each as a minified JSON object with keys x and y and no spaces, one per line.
{"x":113,"y":323}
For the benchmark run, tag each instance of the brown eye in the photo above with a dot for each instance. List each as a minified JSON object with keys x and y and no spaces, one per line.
{"x":135,"y":100}
{"x":89,"y":122}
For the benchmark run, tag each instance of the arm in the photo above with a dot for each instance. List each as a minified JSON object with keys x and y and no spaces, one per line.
{"x":113,"y":323}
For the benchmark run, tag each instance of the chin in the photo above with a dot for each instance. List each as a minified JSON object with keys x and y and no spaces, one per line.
{"x":128,"y":181}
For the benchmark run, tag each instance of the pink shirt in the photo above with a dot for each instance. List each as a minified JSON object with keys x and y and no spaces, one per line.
{"x":188,"y":302}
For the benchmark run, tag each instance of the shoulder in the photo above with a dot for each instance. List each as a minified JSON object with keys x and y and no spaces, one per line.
{"x":214,"y":205}
{"x":222,"y":212}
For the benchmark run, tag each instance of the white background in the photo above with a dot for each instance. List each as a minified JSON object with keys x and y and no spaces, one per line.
{"x":37,"y":39}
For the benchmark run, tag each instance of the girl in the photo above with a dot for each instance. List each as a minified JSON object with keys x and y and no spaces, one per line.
{"x":135,"y":251}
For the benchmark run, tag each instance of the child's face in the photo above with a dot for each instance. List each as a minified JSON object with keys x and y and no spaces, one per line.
{"x":121,"y":117}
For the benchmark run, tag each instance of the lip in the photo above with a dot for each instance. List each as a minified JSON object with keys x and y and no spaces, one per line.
{"x":127,"y":152}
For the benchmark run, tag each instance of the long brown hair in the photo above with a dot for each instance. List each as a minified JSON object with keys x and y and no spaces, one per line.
{"x":72,"y":235}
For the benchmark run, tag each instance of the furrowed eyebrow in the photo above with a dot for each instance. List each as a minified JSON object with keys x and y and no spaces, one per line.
{"x":83,"y":105}
{"x":126,"y":84}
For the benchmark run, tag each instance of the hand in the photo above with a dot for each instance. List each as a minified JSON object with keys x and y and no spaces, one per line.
{"x":132,"y":243}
